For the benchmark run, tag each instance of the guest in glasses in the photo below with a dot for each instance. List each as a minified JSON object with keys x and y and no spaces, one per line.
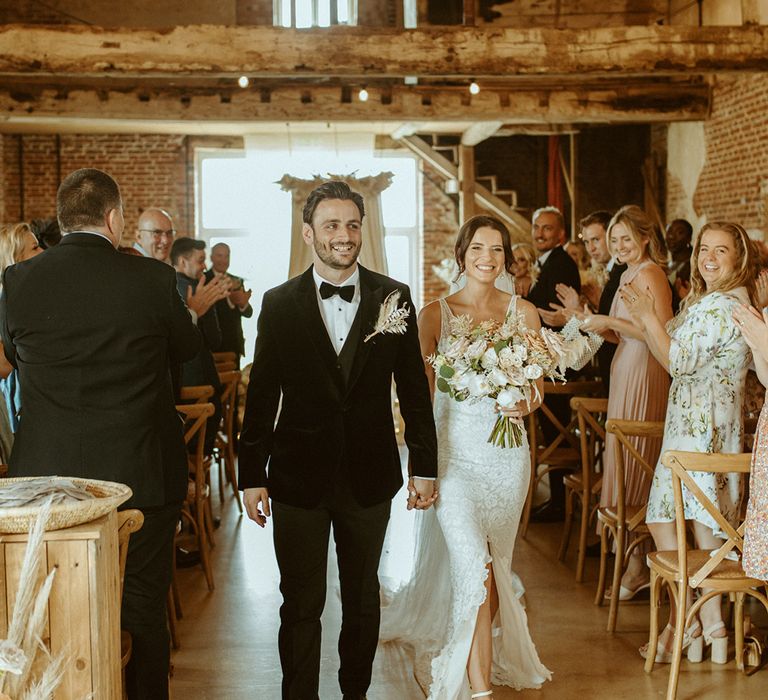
{"x":155,"y":234}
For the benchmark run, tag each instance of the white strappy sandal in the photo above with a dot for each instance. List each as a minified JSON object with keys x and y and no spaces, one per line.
{"x":483,"y":694}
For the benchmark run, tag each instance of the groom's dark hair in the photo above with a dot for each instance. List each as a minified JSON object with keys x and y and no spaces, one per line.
{"x":333,"y":189}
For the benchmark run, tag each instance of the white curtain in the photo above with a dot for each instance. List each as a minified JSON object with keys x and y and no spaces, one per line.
{"x":372,"y":255}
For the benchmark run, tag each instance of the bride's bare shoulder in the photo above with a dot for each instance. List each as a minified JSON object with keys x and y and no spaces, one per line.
{"x":430,"y":313}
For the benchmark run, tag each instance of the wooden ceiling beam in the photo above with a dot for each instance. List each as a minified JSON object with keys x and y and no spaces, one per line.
{"x":360,"y":52}
{"x":643,"y":103}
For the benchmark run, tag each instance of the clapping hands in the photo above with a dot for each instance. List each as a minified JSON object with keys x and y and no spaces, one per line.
{"x":639,"y":303}
{"x":752,"y":325}
{"x":207,"y":293}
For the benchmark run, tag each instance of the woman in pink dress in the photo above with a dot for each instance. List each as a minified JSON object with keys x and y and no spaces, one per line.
{"x":639,"y":384}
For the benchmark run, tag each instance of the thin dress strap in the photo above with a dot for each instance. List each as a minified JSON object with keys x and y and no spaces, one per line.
{"x":445,"y":320}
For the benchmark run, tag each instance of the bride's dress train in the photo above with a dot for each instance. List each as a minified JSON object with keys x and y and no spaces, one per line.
{"x":474,"y":522}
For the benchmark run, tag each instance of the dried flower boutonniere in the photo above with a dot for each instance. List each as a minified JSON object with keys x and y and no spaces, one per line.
{"x":391,"y":319}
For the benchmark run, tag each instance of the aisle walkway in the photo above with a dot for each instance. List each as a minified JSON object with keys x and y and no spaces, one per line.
{"x":229,"y":637}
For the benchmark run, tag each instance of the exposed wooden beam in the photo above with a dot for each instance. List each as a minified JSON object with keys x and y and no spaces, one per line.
{"x":457,"y":53}
{"x":646,"y":103}
{"x":479,"y":131}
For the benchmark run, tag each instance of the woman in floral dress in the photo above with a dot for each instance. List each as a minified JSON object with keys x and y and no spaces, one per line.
{"x":754,"y":328}
{"x":707,"y":358}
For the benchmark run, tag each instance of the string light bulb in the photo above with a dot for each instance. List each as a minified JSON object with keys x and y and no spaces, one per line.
{"x":474,"y":88}
{"x":362,"y":95}
{"x":243,"y":81}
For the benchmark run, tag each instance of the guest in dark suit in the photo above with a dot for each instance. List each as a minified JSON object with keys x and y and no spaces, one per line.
{"x":593,"y":232}
{"x":188,"y":259}
{"x":332,"y":458}
{"x":555,"y":267}
{"x":232,"y":310}
{"x":93,"y":354}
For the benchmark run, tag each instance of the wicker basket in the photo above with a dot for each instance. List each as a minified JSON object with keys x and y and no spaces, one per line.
{"x":109,"y":495}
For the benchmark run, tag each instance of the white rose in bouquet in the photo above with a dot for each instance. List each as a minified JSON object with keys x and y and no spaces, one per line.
{"x":509,"y":397}
{"x":489,"y":359}
{"x":533,"y":372}
{"x":497,"y":377}
{"x":479,"y":387}
{"x":476,"y":350}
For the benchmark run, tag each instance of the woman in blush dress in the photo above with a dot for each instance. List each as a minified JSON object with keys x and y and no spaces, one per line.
{"x":461,"y":609}
{"x":708,"y":358}
{"x":639,"y":384}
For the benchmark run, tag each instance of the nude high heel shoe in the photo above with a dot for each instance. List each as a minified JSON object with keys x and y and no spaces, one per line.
{"x":719,"y":644}
{"x":693,"y":643}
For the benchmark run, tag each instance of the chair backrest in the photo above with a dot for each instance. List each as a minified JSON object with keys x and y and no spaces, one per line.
{"x":624,"y":430}
{"x":195,"y":419}
{"x":590,"y":414}
{"x":128,"y":522}
{"x":221,"y":357}
{"x":229,"y":383}
{"x":566,"y":434}
{"x":681,"y":464}
{"x":197,"y":394}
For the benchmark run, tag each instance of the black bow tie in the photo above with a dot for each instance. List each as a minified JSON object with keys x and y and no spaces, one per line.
{"x":328,"y":290}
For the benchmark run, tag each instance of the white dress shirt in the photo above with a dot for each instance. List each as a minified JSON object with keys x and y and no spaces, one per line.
{"x":338,"y":315}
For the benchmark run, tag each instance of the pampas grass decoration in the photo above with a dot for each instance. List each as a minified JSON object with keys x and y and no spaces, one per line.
{"x":28,"y":620}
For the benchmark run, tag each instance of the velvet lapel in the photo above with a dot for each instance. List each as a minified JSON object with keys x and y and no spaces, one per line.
{"x":310,"y":319}
{"x":371,"y":298}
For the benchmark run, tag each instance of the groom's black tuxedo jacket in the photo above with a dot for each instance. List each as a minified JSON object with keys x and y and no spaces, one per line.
{"x":335,"y":421}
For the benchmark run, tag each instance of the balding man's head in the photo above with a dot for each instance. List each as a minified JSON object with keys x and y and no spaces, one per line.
{"x":220,"y":257}
{"x":155,"y":233}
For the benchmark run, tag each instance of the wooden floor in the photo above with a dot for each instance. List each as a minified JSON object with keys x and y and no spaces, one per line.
{"x":229,"y":637}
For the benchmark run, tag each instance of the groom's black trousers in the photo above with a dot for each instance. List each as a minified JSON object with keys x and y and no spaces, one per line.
{"x":301,"y":544}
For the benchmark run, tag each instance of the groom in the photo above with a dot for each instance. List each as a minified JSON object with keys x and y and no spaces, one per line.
{"x":331,"y":461}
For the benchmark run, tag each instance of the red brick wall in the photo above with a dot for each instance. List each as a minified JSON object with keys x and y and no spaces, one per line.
{"x":151,"y":170}
{"x":736,"y":167}
{"x":440,"y":228}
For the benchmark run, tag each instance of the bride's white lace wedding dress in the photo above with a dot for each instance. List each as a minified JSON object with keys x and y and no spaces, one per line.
{"x":482,"y":492}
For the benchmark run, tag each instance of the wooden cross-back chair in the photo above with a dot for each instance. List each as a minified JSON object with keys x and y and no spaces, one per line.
{"x":128,"y":522}
{"x":584,"y":485}
{"x":624,"y":523}
{"x":564,"y":452}
{"x":682,"y":569}
{"x":225,"y":361}
{"x":227,"y":434}
{"x":196,"y":394}
{"x":197,"y":506}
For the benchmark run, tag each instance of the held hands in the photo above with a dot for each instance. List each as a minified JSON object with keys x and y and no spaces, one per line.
{"x":256,"y":503}
{"x":752,"y":325}
{"x":206,"y":294}
{"x":422,"y":493}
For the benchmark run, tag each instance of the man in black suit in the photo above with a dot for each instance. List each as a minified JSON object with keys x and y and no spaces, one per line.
{"x":333,"y":457}
{"x":594,"y":229}
{"x":555,"y":267}
{"x":232,"y":310}
{"x":188,"y":259}
{"x":92,"y":333}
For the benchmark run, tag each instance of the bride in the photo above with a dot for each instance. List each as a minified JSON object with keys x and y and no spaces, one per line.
{"x":460,"y":609}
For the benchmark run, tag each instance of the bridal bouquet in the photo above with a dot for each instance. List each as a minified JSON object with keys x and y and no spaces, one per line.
{"x":502,"y":361}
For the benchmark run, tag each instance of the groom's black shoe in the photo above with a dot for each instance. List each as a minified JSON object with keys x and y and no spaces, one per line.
{"x":548,"y":513}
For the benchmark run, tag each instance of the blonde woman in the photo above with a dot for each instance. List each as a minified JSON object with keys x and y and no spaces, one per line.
{"x":523,"y":267}
{"x":639,"y":383}
{"x":707,"y":356}
{"x":17,"y":244}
